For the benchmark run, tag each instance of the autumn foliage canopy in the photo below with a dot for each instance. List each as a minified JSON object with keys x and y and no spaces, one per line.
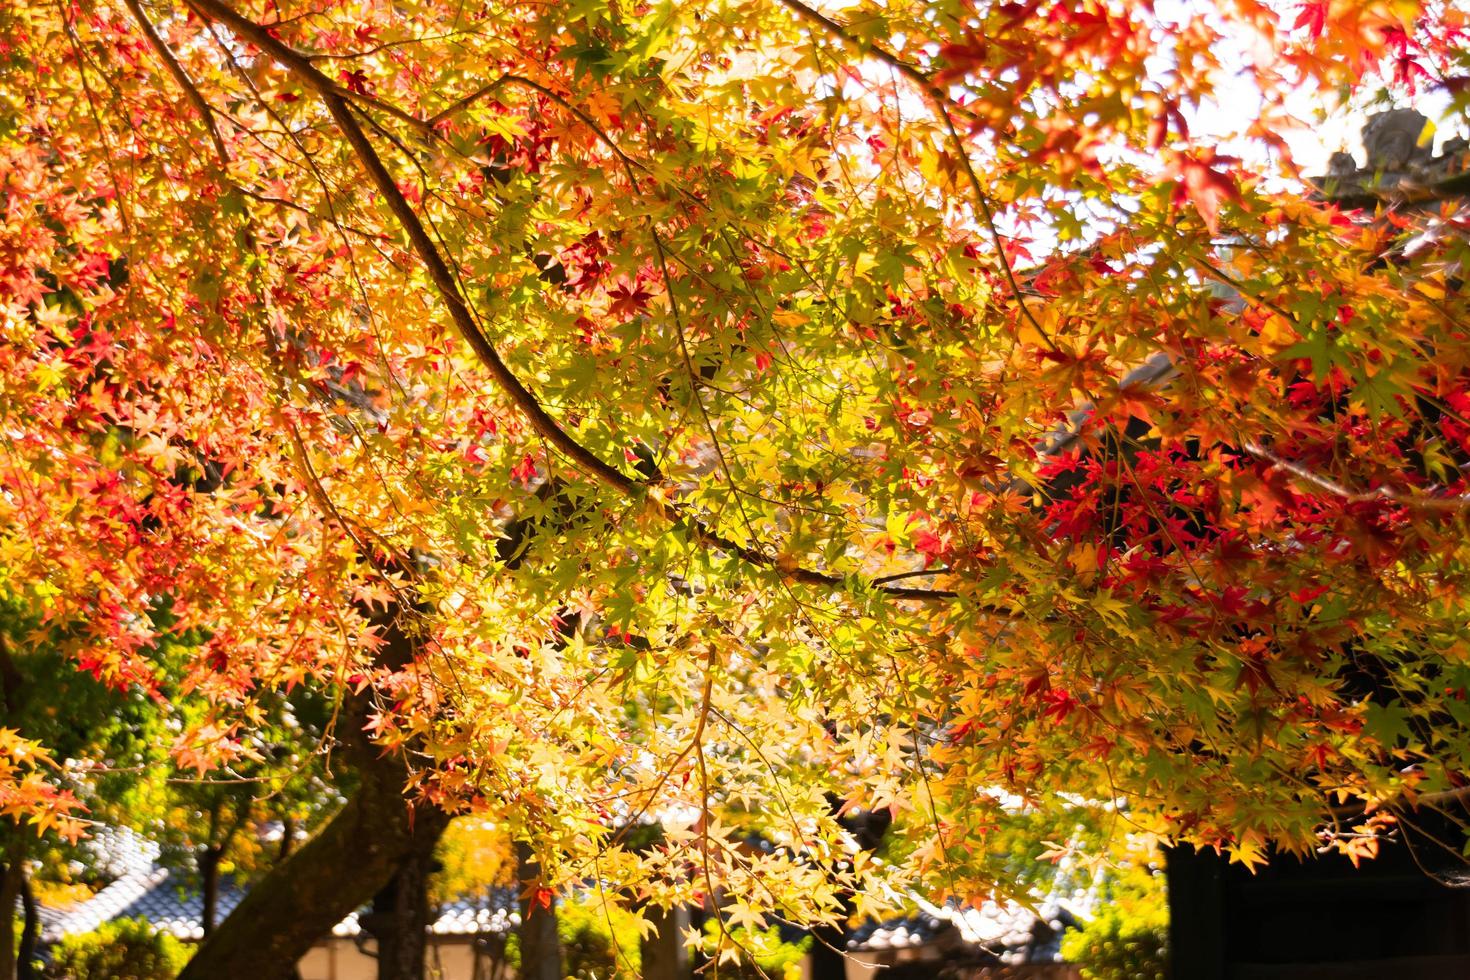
{"x":753,"y":410}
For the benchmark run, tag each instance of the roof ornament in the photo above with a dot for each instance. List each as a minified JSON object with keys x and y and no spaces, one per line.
{"x":1400,"y":139}
{"x":1401,"y":164}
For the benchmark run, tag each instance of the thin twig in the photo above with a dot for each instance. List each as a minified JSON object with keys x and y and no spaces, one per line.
{"x":1453,"y":504}
{"x":339,"y":104}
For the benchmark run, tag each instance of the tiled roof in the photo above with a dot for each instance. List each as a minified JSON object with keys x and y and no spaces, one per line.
{"x":121,"y":899}
{"x":1007,"y":931}
{"x":156,"y":895}
{"x":120,"y":853}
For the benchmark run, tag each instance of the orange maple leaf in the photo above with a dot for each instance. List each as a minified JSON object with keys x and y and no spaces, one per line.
{"x":1200,"y":182}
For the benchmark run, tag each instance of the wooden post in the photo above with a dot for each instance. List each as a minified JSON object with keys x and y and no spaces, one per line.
{"x":665,"y":956}
{"x":540,"y":945}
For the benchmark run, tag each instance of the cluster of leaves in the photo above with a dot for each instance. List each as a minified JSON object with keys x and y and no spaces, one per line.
{"x":755,"y":954}
{"x":1128,"y":939}
{"x":123,"y":949}
{"x":474,"y":856}
{"x":113,"y":747}
{"x":762,"y":405}
{"x":598,"y":941}
{"x":26,"y":794}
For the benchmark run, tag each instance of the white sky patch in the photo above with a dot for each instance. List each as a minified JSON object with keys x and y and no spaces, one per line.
{"x":1311,"y":123}
{"x":1324,"y":126}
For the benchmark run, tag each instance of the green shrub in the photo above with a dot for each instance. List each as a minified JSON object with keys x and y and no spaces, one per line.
{"x":762,"y":953}
{"x":1125,"y":941}
{"x":124,"y":949}
{"x":590,"y":950}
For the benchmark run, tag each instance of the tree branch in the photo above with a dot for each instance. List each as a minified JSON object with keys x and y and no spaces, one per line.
{"x":1449,"y":505}
{"x":191,"y":91}
{"x":298,"y":63}
{"x":459,"y":105}
{"x":839,"y":32}
{"x":338,"y":104}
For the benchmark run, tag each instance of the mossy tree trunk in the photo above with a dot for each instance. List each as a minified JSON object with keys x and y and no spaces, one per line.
{"x":339,"y":869}
{"x":333,"y":874}
{"x":400,"y":916}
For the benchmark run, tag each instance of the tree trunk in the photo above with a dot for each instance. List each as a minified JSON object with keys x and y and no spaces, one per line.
{"x":209,"y":859}
{"x":332,"y":874}
{"x":828,"y":956}
{"x":400,"y":916}
{"x":25,"y":957}
{"x":540,"y":946}
{"x":340,"y":868}
{"x":288,"y":837}
{"x":13,"y":876}
{"x":827,"y":960}
{"x":9,"y":894}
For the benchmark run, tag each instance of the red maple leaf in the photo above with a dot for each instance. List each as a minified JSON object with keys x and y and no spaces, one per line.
{"x":1204,"y":186}
{"x":931,"y":545}
{"x":1313,"y":16}
{"x":960,"y":59}
{"x":628,"y":302}
{"x":356,"y":81}
{"x":1059,"y":704}
{"x":1407,"y":70}
{"x":525,"y":470}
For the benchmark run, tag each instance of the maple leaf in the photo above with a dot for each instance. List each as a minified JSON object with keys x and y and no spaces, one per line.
{"x":1054,"y":853}
{"x":1312,"y":15}
{"x":1198,"y":181}
{"x":628,"y":302}
{"x":961,"y":58}
{"x":355,"y":80}
{"x":525,"y":470}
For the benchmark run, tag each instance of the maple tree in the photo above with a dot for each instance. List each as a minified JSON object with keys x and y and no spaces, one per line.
{"x":71,"y":723}
{"x":893,"y":403}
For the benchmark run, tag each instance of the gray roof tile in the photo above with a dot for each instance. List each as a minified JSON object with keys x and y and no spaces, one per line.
{"x":156,"y":895}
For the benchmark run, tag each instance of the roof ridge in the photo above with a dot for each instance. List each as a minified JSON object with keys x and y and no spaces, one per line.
{"x":143,"y":894}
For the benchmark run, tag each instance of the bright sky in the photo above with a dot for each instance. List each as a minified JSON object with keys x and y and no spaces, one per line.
{"x":1324,"y":128}
{"x":1327,"y":128}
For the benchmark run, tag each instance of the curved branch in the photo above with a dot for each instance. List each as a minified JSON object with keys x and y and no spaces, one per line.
{"x":298,"y":63}
{"x":1455,"y":504}
{"x":461,"y":104}
{"x":181,"y":77}
{"x":836,"y":30}
{"x":338,"y":103}
{"x":916,"y":573}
